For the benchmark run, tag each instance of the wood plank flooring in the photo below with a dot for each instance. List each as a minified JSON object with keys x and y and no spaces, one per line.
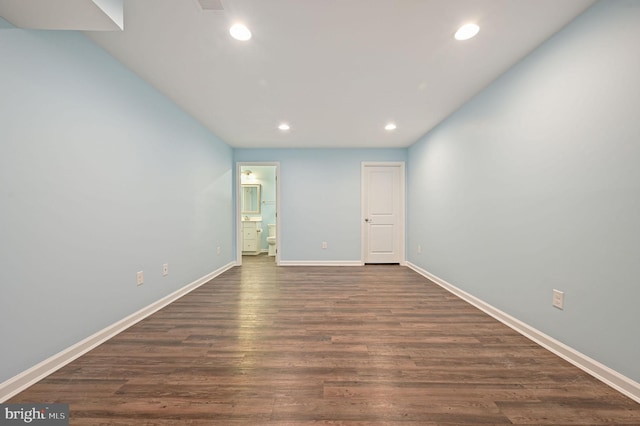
{"x":372,"y":345}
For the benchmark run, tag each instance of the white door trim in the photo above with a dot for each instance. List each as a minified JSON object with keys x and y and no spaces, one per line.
{"x":401,"y":225}
{"x":238,"y":222}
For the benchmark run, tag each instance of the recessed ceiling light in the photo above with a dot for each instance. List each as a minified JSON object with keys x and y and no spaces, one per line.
{"x":390,"y":126}
{"x":467,"y":31}
{"x":284,"y":126}
{"x":240,"y":32}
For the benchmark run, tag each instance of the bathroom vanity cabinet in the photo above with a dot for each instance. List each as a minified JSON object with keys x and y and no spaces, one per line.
{"x":251,"y":237}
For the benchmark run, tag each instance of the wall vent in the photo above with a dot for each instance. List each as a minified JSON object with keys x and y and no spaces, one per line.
{"x":211,"y":4}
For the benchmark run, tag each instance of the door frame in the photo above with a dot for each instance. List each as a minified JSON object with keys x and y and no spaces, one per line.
{"x":238,"y":214}
{"x":402,"y":216}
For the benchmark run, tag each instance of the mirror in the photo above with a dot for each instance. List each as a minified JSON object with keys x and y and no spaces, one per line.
{"x":250,"y":198}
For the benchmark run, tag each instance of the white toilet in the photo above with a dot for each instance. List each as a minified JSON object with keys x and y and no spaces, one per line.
{"x":271,"y":239}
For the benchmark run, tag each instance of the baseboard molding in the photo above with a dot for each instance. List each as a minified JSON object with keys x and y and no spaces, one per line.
{"x":39,"y":371}
{"x":598,"y":370}
{"x":321,"y":263}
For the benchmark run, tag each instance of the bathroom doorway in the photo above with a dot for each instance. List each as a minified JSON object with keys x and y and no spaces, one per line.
{"x":257,"y":207}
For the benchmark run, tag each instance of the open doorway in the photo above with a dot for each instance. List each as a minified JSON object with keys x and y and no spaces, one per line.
{"x":257,"y":206}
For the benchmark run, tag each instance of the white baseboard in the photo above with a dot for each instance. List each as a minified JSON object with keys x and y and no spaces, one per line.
{"x":39,"y":371}
{"x":598,"y":370}
{"x":321,"y":263}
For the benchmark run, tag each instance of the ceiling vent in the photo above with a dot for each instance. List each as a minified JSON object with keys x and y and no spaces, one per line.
{"x":211,"y":4}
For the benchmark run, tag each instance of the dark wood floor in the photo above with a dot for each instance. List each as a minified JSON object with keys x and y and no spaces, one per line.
{"x":263,"y":345}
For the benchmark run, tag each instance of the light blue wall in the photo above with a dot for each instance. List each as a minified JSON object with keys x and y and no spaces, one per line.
{"x":535,"y":185}
{"x":100,"y":177}
{"x":320,"y":199}
{"x":4,"y":24}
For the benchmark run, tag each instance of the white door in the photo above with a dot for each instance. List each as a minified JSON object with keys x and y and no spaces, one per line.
{"x":383,"y":212}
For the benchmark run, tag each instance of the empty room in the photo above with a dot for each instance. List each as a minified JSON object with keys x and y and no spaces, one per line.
{"x":292,"y":212}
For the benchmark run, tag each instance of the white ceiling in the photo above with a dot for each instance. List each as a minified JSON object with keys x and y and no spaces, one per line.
{"x":336,"y":70}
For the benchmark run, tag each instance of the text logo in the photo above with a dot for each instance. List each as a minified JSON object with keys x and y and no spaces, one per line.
{"x":34,"y":414}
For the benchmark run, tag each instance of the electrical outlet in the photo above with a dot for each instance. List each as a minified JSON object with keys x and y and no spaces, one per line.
{"x":419,"y":249}
{"x":324,"y":244}
{"x":558,"y":299}
{"x":140,"y":277}
{"x":165,"y":269}
{"x":218,"y":251}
